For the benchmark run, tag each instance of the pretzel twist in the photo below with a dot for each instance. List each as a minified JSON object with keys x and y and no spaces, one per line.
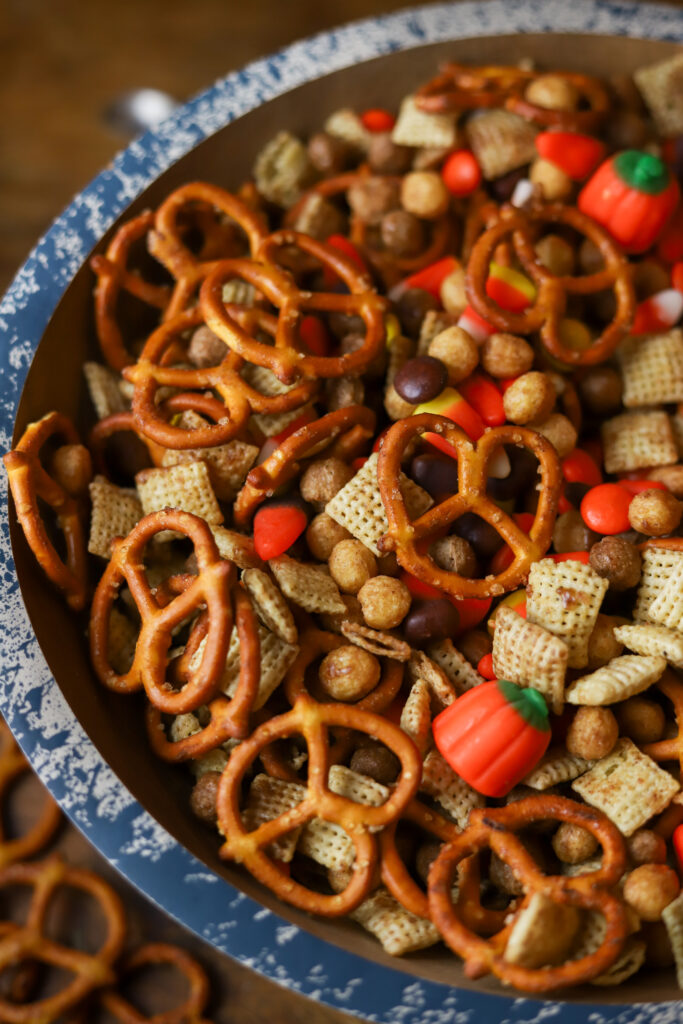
{"x":313,"y":720}
{"x":494,"y":828}
{"x":13,"y":764}
{"x":546,"y":313}
{"x":211,"y":588}
{"x":30,"y":943}
{"x":29,"y":483}
{"x":404,"y":535}
{"x":670,"y":749}
{"x":460,"y":87}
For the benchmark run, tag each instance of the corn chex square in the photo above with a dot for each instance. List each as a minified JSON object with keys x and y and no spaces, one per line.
{"x":452,"y":793}
{"x":652,"y":369}
{"x":264,"y":380}
{"x":376,"y":641}
{"x":186,"y":486}
{"x":236,"y":547}
{"x":628,"y":963}
{"x":458,"y":669}
{"x":564,"y":598}
{"x":283,"y":169}
{"x":619,"y":679}
{"x":542,"y":933}
{"x":228,"y":464}
{"x":104,"y":389}
{"x":661,"y":86}
{"x":554,"y":768}
{"x":442,"y":690}
{"x":358,"y":505}
{"x":269,"y":798}
{"x":415,"y":127}
{"x":416,"y":716}
{"x":628,"y":786}
{"x":501,"y":142}
{"x":637,"y":440}
{"x":270,"y":605}
{"x":662,"y":568}
{"x":672,"y":916}
{"x":645,"y":638}
{"x":398,"y":930}
{"x":346,"y":124}
{"x":271,"y":423}
{"x":667,"y":608}
{"x":114,"y":512}
{"x":306,"y":585}
{"x":528,"y":655}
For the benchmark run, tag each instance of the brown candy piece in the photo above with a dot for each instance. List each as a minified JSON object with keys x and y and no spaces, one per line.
{"x":421,"y":379}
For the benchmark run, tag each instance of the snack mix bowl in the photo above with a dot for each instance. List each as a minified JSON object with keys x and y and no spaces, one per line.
{"x":81,"y":737}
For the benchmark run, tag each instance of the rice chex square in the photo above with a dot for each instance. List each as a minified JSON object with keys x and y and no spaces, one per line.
{"x":307,"y":585}
{"x":638,"y":440}
{"x":114,"y":512}
{"x":501,"y":142}
{"x":646,"y":638}
{"x":398,"y":930}
{"x":415,"y":127}
{"x":529,"y":655}
{"x":619,"y":679}
{"x":662,"y":568}
{"x":564,"y":598}
{"x":652,"y":369}
{"x":661,"y":86}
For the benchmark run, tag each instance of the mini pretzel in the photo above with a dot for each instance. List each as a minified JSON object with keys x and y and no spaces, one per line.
{"x":12,"y":765}
{"x":549,"y":306}
{"x":494,"y":828}
{"x":459,"y":87}
{"x":29,"y":943}
{"x":29,"y":483}
{"x":313,"y":720}
{"x":229,"y":715}
{"x":670,"y":749}
{"x":114,"y":277}
{"x":211,"y":588}
{"x":404,"y":535}
{"x":346,"y":430}
{"x":286,"y":357}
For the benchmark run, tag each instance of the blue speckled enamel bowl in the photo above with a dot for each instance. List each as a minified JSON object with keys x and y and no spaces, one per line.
{"x":87,"y":745}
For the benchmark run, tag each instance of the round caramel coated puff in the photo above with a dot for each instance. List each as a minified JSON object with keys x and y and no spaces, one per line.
{"x":602,"y":643}
{"x":323,"y":534}
{"x":452,"y":292}
{"x":328,"y":153}
{"x":554,"y":92}
{"x":617,"y":561}
{"x":601,"y":389}
{"x":370,"y":198}
{"x":560,"y":431}
{"x":552,"y":180}
{"x":592,"y":734}
{"x":454,"y":554}
{"x":650,"y":888}
{"x":424,"y":194}
{"x":349,"y":673}
{"x":351,"y":565}
{"x":457,"y":350}
{"x":402,"y":233}
{"x":646,"y":847}
{"x":641,"y":719}
{"x":71,"y":467}
{"x":506,"y":355}
{"x":322,"y":479}
{"x":655,"y":513}
{"x":573,"y":844}
{"x":203,"y":797}
{"x":572,"y":534}
{"x":332,"y":621}
{"x":556,"y":255}
{"x":387,"y":157}
{"x":385,"y":602}
{"x":376,"y":761}
{"x":530,"y":398}
{"x":206,"y":348}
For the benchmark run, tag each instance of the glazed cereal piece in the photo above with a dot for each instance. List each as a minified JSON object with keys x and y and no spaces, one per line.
{"x":456,"y":666}
{"x":542,"y":933}
{"x":398,"y":930}
{"x":272,"y":423}
{"x":646,"y":638}
{"x":416,"y":716}
{"x":306,"y":585}
{"x":385,"y":645}
{"x":442,"y":691}
{"x":283,"y":169}
{"x":636,"y":440}
{"x":501,"y":142}
{"x":652,"y":369}
{"x":103,"y":388}
{"x":358,"y":506}
{"x":269,"y":798}
{"x":628,"y":786}
{"x":667,"y":608}
{"x":628,"y":963}
{"x":528,"y":655}
{"x":416,"y":128}
{"x":276,"y":658}
{"x":236,"y":547}
{"x":453,"y":794}
{"x":228,"y":464}
{"x":186,"y":487}
{"x":326,"y":842}
{"x":345,"y":124}
{"x":122,"y":641}
{"x":672,"y":916}
{"x":564,"y":598}
{"x":114,"y":513}
{"x":662,"y":568}
{"x":661,"y":86}
{"x":620,"y":679}
{"x":554,"y":768}
{"x":385,"y":601}
{"x":270,"y":605}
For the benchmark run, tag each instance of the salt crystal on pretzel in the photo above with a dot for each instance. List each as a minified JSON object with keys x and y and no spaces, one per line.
{"x":660,"y":87}
{"x":619,"y":679}
{"x":385,"y":645}
{"x":114,"y":512}
{"x":442,"y":691}
{"x":672,"y":916}
{"x":228,"y":464}
{"x":398,"y":930}
{"x":628,"y":963}
{"x":103,"y":388}
{"x":415,"y":127}
{"x":529,"y":655}
{"x":346,"y":124}
{"x":122,"y":641}
{"x":358,"y":505}
{"x":542,"y":932}
{"x":461,"y":673}
{"x":416,"y":716}
{"x":564,"y":598}
{"x":269,"y":798}
{"x":270,"y":605}
{"x":282,"y":169}
{"x":236,"y":547}
{"x":637,"y":440}
{"x":554,"y":768}
{"x":306,"y":585}
{"x":652,"y":369}
{"x":646,"y":638}
{"x":501,"y":142}
{"x":453,"y":794}
{"x":186,"y":487}
{"x":628,"y":786}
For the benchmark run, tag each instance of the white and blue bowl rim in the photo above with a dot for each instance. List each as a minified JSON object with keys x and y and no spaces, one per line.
{"x":30,"y":699}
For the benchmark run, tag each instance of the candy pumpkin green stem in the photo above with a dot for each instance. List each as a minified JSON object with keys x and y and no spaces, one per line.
{"x":493,"y":735}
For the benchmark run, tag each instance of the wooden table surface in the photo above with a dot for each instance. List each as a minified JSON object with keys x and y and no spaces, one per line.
{"x":62,"y":66}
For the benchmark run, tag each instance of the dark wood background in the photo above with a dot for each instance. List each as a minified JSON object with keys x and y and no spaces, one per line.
{"x":61,"y":66}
